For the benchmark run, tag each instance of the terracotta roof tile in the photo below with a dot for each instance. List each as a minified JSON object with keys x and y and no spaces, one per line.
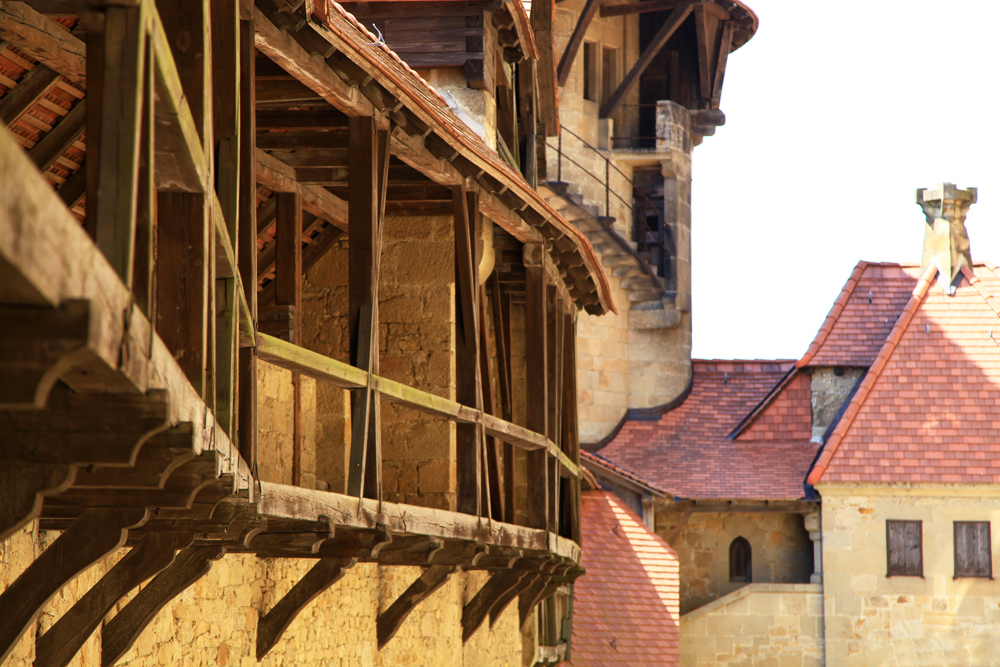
{"x":929,"y":408}
{"x":627,"y":607}
{"x":687,"y":452}
{"x":600,"y":462}
{"x":788,"y":416}
{"x":862,"y":316}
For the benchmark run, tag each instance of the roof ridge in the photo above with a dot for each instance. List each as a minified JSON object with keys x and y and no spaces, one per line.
{"x":608,"y":463}
{"x":989,"y":297}
{"x":834,"y":314}
{"x":888,"y":347}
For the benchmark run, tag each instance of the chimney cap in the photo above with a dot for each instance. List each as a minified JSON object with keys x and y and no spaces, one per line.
{"x":946,"y":191}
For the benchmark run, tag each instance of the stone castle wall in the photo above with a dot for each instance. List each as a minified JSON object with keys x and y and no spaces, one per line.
{"x":873,"y":619}
{"x":781,"y":551}
{"x":760,"y":624}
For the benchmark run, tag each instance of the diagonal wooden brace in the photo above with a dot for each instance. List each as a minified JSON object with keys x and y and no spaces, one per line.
{"x":93,"y":536}
{"x":478,"y":608}
{"x":120,"y":633}
{"x":389,"y":621}
{"x":156,"y":551}
{"x":543,"y":587}
{"x":272,"y":625}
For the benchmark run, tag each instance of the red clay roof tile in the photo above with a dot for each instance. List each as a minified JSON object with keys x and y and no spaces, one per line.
{"x":627,"y":607}
{"x":687,"y":452}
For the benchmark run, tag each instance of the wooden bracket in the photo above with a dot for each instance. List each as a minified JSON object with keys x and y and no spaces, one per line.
{"x":478,"y":608}
{"x":36,"y":346}
{"x":389,"y":621}
{"x":272,"y":625}
{"x":120,"y":633}
{"x":24,"y":488}
{"x":156,"y":551}
{"x":93,"y":536}
{"x":542,"y":587}
{"x":410,"y":550}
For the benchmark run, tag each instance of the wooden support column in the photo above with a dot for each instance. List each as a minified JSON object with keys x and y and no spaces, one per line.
{"x":509,"y":476}
{"x":571,"y":433}
{"x":90,"y":538}
{"x":467,"y":445}
{"x":494,"y":448}
{"x":120,"y":633}
{"x":367,"y":175}
{"x":669,"y":27}
{"x":536,"y":344}
{"x":246,"y":250}
{"x":226,"y":118}
{"x":542,"y":14}
{"x":389,"y":621}
{"x":186,"y":239}
{"x":554,"y":342}
{"x":272,"y":625}
{"x":154,"y":553}
{"x":115,"y":72}
{"x":288,"y":295}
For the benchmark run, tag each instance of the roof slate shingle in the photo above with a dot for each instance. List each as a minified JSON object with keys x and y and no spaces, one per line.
{"x":627,"y":607}
{"x":687,"y":452}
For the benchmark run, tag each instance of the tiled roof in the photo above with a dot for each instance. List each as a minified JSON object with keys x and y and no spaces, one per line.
{"x":598,"y":461}
{"x":862,"y":316}
{"x":686,"y":451}
{"x":788,"y":416}
{"x":929,"y":408}
{"x":627,"y":607}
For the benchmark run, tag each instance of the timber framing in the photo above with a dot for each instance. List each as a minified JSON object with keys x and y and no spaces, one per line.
{"x":153,"y":243}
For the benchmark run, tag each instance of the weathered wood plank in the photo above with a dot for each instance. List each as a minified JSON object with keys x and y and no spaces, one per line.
{"x":120,"y":633}
{"x":43,"y":39}
{"x":93,"y":536}
{"x":28,"y":91}
{"x":389,"y":621}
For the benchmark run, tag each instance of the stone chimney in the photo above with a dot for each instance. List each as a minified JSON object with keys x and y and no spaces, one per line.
{"x":946,"y":242}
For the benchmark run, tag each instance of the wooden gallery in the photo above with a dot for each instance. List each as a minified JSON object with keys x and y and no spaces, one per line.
{"x":275,"y":322}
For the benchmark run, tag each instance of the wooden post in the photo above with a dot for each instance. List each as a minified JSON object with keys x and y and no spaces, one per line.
{"x":494,"y":449}
{"x":246,"y":251}
{"x":226,"y":112}
{"x":536,"y":344}
{"x":288,"y":293}
{"x":571,"y":434}
{"x":365,"y":180}
{"x":509,"y":478}
{"x":467,"y":445}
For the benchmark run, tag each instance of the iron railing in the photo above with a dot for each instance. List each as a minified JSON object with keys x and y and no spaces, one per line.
{"x":650,"y":240}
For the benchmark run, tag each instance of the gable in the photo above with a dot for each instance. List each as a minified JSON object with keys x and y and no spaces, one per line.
{"x":930,"y":410}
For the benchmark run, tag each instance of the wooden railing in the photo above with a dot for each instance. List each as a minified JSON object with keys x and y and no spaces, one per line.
{"x":312,"y":364}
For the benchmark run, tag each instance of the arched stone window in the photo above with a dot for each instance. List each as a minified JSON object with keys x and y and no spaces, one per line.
{"x":740,"y":561}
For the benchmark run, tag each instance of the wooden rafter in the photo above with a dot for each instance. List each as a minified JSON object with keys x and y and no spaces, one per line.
{"x":28,"y":91}
{"x":668,"y":29}
{"x":44,"y":40}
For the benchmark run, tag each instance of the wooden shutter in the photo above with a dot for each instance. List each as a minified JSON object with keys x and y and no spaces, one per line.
{"x":904,"y":548}
{"x":973,"y":556}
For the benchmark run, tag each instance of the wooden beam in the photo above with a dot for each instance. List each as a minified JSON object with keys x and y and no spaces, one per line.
{"x":665,"y":32}
{"x":508,"y":596}
{"x":121,"y":632}
{"x":707,"y":30}
{"x":536,"y":294}
{"x":367,"y":183}
{"x":576,"y":39}
{"x":97,"y":533}
{"x":725,"y":44}
{"x":626,"y":8}
{"x":494,"y":448}
{"x":272,"y":625}
{"x":246,"y":240}
{"x":45,"y":40}
{"x":276,"y":175}
{"x":388,"y":622}
{"x":61,"y":642}
{"x":467,"y":380}
{"x":532,"y":595}
{"x":478,"y":608}
{"x":62,"y":136}
{"x":31,"y":88}
{"x":542,"y":15}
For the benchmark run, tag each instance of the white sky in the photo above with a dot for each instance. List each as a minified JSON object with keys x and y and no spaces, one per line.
{"x":836,"y":113}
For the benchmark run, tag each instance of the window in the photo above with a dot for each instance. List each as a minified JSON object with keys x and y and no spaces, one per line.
{"x":904,"y":548}
{"x":973,"y":557}
{"x":739,"y":560}
{"x":590,"y":71}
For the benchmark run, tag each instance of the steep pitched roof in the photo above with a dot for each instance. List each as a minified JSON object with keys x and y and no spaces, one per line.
{"x":687,"y":452}
{"x":598,"y":462}
{"x":786,"y":413}
{"x":929,"y":408}
{"x":627,"y":607}
{"x":862,"y":316}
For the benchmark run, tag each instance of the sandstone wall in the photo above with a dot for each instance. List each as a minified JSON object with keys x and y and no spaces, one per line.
{"x":781,"y":551}
{"x":872,"y":619}
{"x":417,"y":345}
{"x":778,"y":625}
{"x":214,"y":622}
{"x":829,"y":391}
